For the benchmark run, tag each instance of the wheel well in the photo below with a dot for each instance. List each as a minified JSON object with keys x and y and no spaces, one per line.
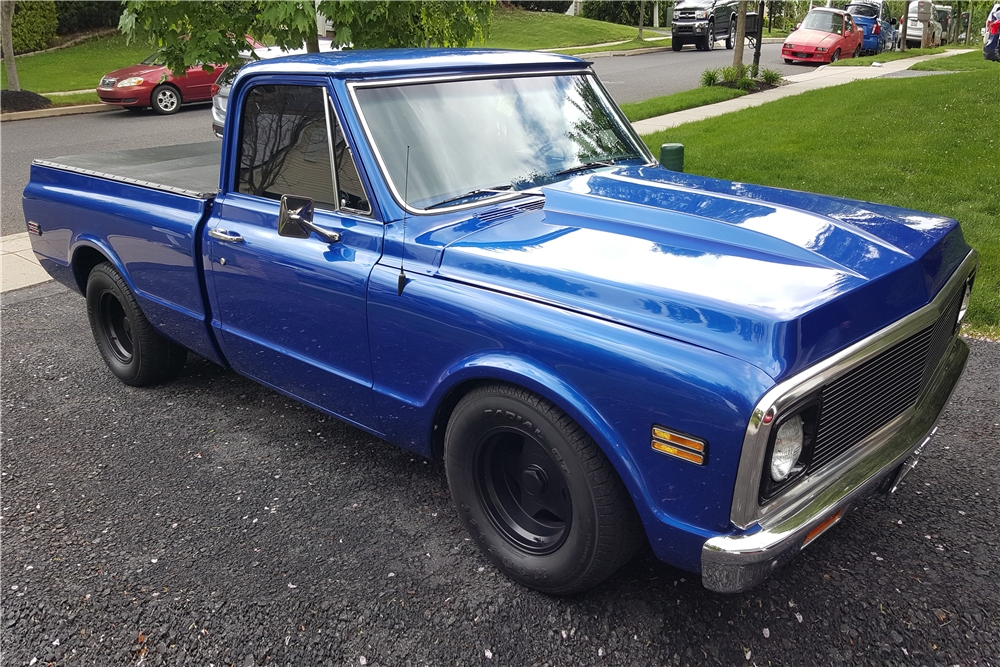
{"x":84,"y":261}
{"x":443,"y":413}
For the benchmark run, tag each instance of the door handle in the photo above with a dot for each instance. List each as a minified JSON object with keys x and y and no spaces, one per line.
{"x":223,"y":235}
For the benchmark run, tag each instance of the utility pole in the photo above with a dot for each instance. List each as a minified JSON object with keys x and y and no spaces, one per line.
{"x":760,"y":36}
{"x":903,"y":21}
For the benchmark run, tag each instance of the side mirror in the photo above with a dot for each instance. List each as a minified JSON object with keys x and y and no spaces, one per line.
{"x":672,"y":157}
{"x":895,"y":23}
{"x":798,"y":26}
{"x":295,"y":220}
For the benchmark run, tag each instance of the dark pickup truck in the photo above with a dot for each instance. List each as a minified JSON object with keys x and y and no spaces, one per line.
{"x":702,"y":23}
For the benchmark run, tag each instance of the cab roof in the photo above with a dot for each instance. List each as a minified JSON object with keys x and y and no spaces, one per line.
{"x":408,"y":62}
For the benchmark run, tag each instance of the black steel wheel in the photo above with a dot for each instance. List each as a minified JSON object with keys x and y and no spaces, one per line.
{"x":131,"y":348}
{"x":165,"y":99}
{"x":536,"y":493}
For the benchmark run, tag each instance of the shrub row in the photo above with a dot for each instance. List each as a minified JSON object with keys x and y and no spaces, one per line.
{"x":36,"y":23}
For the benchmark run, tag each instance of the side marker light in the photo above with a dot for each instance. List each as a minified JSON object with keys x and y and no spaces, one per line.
{"x":821,"y":528}
{"x":682,"y":446}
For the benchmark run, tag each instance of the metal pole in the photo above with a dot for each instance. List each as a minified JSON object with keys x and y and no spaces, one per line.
{"x":760,"y":36}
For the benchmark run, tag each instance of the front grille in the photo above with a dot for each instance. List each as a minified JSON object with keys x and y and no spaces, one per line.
{"x":687,"y":15}
{"x":802,"y":55}
{"x":859,"y":403}
{"x":108,"y":83}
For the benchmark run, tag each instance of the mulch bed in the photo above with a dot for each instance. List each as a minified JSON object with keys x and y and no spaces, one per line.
{"x":22,"y":100}
{"x":761,"y":86}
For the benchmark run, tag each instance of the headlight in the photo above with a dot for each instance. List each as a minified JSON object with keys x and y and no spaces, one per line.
{"x":787,"y":448}
{"x":131,"y":81}
{"x":788,"y":46}
{"x":701,"y":15}
{"x":822,"y":49}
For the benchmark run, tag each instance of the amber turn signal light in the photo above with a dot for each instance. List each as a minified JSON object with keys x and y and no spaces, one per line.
{"x":679,"y":445}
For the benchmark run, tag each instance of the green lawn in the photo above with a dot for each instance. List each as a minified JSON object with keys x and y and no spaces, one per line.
{"x":520,"y":29}
{"x":947,"y":124}
{"x":74,"y":99}
{"x":687,"y":99}
{"x":964,"y":62}
{"x":76,"y":67}
{"x":887,"y":56}
{"x":624,"y":46}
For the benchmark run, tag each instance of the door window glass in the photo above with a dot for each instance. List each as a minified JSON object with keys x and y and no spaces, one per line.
{"x":284,"y":148}
{"x":352,"y":192}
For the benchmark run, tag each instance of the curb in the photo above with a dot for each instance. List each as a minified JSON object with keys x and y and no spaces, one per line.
{"x":58,"y":111}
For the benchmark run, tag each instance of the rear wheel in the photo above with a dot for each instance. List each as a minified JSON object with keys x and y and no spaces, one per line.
{"x":857,"y":52}
{"x":731,"y":38}
{"x":536,"y":493}
{"x":131,"y":348}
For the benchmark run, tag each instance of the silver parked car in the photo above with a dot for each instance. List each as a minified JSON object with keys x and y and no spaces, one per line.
{"x":915,"y":29}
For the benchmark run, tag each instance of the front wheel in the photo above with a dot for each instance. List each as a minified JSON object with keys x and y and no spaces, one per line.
{"x":131,"y":348}
{"x":835,"y":57}
{"x":709,"y":39}
{"x":676,"y":45}
{"x":789,"y":61}
{"x":536,"y":493}
{"x":165,"y":100}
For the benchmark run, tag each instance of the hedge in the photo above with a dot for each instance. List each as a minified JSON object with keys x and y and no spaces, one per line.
{"x":77,"y":15}
{"x":34,"y":26}
{"x":624,"y":13}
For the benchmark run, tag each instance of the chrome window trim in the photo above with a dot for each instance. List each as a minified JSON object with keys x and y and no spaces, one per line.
{"x":353,"y":86}
{"x":327,"y":103}
{"x":745,"y":511}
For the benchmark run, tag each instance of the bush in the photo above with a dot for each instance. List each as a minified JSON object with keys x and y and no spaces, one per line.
{"x":746,"y":84}
{"x":732,"y":74}
{"x":710,"y":77}
{"x":770,"y":77}
{"x":77,"y":15}
{"x":623,"y":13}
{"x":753,"y":71}
{"x":34,"y":26}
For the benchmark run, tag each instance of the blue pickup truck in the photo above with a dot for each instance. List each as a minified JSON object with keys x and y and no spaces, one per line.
{"x":472,"y":255}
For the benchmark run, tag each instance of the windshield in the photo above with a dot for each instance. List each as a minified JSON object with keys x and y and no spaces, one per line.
{"x":153,"y":60}
{"x":824,"y":21}
{"x":869,"y":11}
{"x":478,"y":138}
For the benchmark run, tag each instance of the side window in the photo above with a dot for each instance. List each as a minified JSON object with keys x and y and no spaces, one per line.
{"x":283,"y":144}
{"x":352,"y":192}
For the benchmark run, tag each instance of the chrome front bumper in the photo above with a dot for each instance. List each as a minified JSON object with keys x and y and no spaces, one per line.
{"x":731,"y":564}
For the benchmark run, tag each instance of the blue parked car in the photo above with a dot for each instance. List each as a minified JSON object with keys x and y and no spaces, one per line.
{"x":874,"y":17}
{"x":472,"y":255}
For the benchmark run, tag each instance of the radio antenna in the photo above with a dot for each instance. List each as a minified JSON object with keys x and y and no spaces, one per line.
{"x":401,"y":282}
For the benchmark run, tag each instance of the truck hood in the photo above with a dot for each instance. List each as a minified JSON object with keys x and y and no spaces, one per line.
{"x":777,"y":278}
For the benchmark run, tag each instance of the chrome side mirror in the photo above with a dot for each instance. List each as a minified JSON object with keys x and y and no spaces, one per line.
{"x":295,"y":220}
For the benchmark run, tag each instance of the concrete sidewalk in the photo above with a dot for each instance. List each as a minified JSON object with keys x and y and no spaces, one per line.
{"x":18,"y":266}
{"x":823,"y":77}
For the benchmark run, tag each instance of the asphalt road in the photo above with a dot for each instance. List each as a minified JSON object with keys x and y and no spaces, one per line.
{"x":210,"y":521}
{"x":638,"y":78}
{"x":628,"y":79}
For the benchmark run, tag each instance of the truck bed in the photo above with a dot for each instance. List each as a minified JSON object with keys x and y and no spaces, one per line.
{"x":191,"y":170}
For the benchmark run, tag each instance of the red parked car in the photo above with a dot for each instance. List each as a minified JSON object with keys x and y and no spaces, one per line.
{"x":825,"y":35}
{"x":144,"y":85}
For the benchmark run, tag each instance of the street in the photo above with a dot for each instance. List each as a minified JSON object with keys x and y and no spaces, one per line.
{"x":212,"y":521}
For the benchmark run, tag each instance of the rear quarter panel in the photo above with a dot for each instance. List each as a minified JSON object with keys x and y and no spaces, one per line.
{"x":149,"y":235}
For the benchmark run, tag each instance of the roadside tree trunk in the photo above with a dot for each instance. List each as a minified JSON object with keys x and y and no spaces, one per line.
{"x":741,"y":29}
{"x":642,"y":16}
{"x":7,"y":15}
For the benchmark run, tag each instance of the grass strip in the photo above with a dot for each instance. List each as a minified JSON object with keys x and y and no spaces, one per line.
{"x":688,"y":99}
{"x":885,"y":57}
{"x":938,"y":159}
{"x":963,"y":62}
{"x":624,"y":46}
{"x":74,"y":99}
{"x":524,"y":30}
{"x":76,"y":67}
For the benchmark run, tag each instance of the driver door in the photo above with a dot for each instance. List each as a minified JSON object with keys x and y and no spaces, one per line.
{"x":291,"y":310}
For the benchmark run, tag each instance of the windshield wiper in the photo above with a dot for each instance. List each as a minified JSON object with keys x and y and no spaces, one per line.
{"x":500,"y":189}
{"x":585,"y":166}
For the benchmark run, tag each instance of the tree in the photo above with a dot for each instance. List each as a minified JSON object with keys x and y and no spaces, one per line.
{"x":188,"y":33}
{"x":642,"y":15}
{"x":741,"y":29}
{"x":6,"y":18}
